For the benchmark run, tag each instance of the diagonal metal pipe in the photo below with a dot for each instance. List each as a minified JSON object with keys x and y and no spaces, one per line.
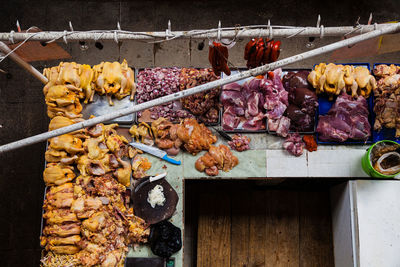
{"x":233,"y":78}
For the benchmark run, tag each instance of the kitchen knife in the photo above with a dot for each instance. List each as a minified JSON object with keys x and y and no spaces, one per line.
{"x":155,"y":151}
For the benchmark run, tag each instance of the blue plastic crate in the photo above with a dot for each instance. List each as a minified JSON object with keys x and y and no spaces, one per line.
{"x":384,"y":133}
{"x":324,"y":105}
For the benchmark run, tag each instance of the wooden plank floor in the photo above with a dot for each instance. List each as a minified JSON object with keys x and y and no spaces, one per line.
{"x":266,"y":227}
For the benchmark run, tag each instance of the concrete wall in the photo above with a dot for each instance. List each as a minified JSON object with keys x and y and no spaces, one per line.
{"x":22,"y":108}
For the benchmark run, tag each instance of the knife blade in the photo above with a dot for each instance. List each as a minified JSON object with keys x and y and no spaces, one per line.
{"x":155,"y":151}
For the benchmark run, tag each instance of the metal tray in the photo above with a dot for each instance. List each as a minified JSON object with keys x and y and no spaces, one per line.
{"x":324,"y":105}
{"x":240,"y":130}
{"x":384,"y":133}
{"x":137,"y":119}
{"x":121,"y":130}
{"x":100,"y":106}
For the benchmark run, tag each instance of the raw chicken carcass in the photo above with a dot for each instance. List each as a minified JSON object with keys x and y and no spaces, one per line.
{"x":114,"y":79}
{"x":58,"y":174}
{"x":68,"y":143}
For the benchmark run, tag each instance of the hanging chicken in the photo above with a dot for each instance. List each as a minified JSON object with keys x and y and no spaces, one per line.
{"x":258,"y":52}
{"x":218,"y":57}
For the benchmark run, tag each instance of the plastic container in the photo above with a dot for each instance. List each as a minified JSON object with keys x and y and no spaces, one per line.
{"x":367,"y":165}
{"x":324,"y":105}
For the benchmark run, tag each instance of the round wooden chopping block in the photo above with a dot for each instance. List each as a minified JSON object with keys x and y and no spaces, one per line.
{"x":143,"y":209}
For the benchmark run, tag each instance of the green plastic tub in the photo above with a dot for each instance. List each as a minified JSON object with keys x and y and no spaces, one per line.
{"x":367,"y":165}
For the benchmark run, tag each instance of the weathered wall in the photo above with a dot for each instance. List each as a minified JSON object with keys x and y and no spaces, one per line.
{"x":22,"y":109}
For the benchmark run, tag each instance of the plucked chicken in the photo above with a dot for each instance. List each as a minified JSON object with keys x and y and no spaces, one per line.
{"x":334,"y":79}
{"x":114,"y":78}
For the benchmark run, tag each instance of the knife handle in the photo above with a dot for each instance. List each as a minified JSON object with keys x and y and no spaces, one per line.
{"x":176,"y":162}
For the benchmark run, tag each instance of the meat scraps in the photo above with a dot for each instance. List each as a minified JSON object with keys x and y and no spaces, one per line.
{"x":246,"y":106}
{"x":243,"y":105}
{"x":387,"y":98}
{"x":347,"y":119}
{"x":303,"y":102}
{"x":276,"y":103}
{"x":189,"y":133}
{"x":294,"y":144}
{"x":205,"y":104}
{"x":239,"y":142}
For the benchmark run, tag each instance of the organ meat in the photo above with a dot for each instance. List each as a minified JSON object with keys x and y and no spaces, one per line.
{"x":347,"y":119}
{"x":303,"y":102}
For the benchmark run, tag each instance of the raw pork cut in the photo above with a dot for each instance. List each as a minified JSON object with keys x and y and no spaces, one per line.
{"x":347,"y":119}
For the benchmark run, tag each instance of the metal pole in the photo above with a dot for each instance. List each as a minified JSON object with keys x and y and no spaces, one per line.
{"x":242,"y":32}
{"x":5,"y":49}
{"x":233,"y":78}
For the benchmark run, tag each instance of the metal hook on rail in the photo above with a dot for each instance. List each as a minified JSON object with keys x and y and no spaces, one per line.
{"x":70,"y":26}
{"x":270,"y":32}
{"x":116,"y":34}
{"x":168,"y":30}
{"x":219,"y":31}
{"x":11,"y":38}
{"x":65,"y":37}
{"x":18,"y":26}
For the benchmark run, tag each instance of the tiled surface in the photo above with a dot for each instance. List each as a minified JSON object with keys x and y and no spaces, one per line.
{"x":281,"y":164}
{"x":336,"y":163}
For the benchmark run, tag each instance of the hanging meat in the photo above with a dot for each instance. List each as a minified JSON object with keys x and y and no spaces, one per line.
{"x":218,"y":57}
{"x":259,"y":52}
{"x":387,"y":98}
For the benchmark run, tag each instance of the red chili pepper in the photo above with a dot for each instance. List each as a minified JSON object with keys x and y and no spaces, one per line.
{"x":267,"y":51}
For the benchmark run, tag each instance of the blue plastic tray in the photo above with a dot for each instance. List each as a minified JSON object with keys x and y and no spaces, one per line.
{"x":324,"y":105}
{"x":384,"y":133}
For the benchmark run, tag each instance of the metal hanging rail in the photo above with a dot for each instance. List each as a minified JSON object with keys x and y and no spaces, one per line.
{"x":233,"y":78}
{"x":232,"y":32}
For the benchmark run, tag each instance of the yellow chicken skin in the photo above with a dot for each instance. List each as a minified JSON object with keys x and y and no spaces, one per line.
{"x":68,"y":143}
{"x":58,"y":174}
{"x":113,"y":78}
{"x":69,"y":74}
{"x":366,"y":82}
{"x":86,"y":77}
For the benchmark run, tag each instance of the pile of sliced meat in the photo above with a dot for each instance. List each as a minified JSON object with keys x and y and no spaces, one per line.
{"x":303,"y":102}
{"x":276,"y":103}
{"x":243,"y":106}
{"x":347,"y":119}
{"x":246,"y":106}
